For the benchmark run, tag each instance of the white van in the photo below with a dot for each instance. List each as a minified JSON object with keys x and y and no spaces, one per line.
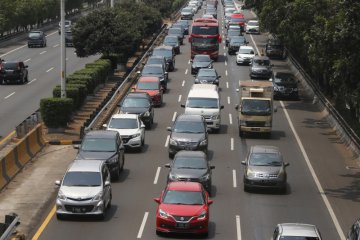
{"x":204,"y":99}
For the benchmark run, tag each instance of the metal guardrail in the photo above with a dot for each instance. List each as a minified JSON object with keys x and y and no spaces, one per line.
{"x":331,"y":109}
{"x":11,"y":222}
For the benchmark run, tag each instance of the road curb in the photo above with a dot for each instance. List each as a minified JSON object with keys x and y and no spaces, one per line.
{"x":64,"y":142}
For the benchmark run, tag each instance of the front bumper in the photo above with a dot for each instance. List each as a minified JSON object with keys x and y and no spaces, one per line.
{"x":131,"y":143}
{"x":193,"y":226}
{"x":243,"y":60}
{"x":286,"y":94}
{"x":72,"y":207}
{"x":264,"y":183}
{"x":255,"y":129}
{"x":173,"y":149}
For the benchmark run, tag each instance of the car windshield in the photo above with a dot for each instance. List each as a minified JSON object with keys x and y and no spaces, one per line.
{"x":82,"y":179}
{"x":206,"y":73}
{"x":202,"y":103}
{"x":155,"y":61}
{"x":298,"y":238}
{"x":189,"y":127}
{"x":10,"y":65}
{"x":136,"y":103}
{"x":148,"y":85}
{"x":171,"y":40}
{"x":183,"y":198}
{"x":237,"y":40}
{"x":233,"y":33}
{"x":186,"y":10}
{"x":205,"y":30}
{"x":190,"y":163}
{"x":256,"y":107}
{"x":246,"y":51}
{"x":284,"y":78}
{"x":262,"y":62}
{"x":237,"y":20}
{"x":230,"y":10}
{"x":265,"y":159}
{"x":123,"y":123}
{"x":152,"y":70}
{"x":201,"y":58}
{"x":176,"y":31}
{"x":98,"y":145}
{"x":162,"y":52}
{"x":203,"y":42}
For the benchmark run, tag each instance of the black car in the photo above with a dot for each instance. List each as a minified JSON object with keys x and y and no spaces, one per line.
{"x":13,"y":72}
{"x":200,"y":61}
{"x":168,"y":52}
{"x":207,"y":76}
{"x":230,"y":34}
{"x":139,"y":103}
{"x":103,"y":145}
{"x":275,"y":49}
{"x":188,"y":133}
{"x":158,"y":60}
{"x":36,"y":38}
{"x":156,"y":70}
{"x":176,"y":31}
{"x":285,"y":85}
{"x":260,"y":67}
{"x":191,"y":166}
{"x":69,"y":39}
{"x":186,"y":25}
{"x":172,"y":41}
{"x":235,"y":43}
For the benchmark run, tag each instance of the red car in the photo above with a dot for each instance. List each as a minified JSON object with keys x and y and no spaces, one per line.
{"x":153,"y":87}
{"x":237,"y":19}
{"x":183,"y":208}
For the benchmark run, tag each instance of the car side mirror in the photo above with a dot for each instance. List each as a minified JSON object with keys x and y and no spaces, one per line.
{"x":182,"y":105}
{"x":76,"y":146}
{"x":107,"y":183}
{"x":286,"y":164}
{"x":212,"y":167}
{"x":222,"y":107}
{"x":57,"y":182}
{"x":210,"y":201}
{"x":142,"y":125}
{"x":275,"y":109}
{"x":157,"y":200}
{"x":167,"y":165}
{"x":138,"y":72}
{"x":237,"y":107}
{"x":169,"y":129}
{"x":104,"y":125}
{"x":243,"y":163}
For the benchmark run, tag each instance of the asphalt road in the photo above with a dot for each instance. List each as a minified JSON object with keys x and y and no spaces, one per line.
{"x":17,"y":102}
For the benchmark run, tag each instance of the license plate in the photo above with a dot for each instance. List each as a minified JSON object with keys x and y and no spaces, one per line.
{"x":182,"y":225}
{"x":255,"y":129}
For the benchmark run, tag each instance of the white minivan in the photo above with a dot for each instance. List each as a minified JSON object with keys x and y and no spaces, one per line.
{"x":204,"y":99}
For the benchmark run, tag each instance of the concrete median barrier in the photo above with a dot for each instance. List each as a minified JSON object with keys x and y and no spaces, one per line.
{"x":3,"y":180}
{"x":10,"y":164}
{"x":22,"y":150}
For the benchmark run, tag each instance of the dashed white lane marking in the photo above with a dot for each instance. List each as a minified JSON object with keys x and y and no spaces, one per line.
{"x":234,"y":178}
{"x":186,"y":71}
{"x":183,"y":83}
{"x":226,"y":72}
{"x":224,"y":47}
{"x":230,"y":118}
{"x":227,"y":84}
{"x":179,"y":99}
{"x":27,"y":60}
{"x":228,"y":99}
{"x":42,"y":52}
{"x":189,"y":61}
{"x":225,"y":63}
{"x":14,"y":50}
{"x":49,"y":69}
{"x":9,"y":95}
{"x":74,"y":53}
{"x":32,"y":81}
{"x":232,"y":144}
{"x":257,"y":49}
{"x":56,"y":45}
{"x":174,"y":116}
{"x":312,"y":171}
{"x":157,"y":175}
{"x":142,"y":226}
{"x":167,"y":141}
{"x":238,"y":229}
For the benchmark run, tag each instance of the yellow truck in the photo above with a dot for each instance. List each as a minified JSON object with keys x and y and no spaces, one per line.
{"x":255,"y":108}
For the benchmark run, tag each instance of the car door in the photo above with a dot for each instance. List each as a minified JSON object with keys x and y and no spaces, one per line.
{"x":106,"y":189}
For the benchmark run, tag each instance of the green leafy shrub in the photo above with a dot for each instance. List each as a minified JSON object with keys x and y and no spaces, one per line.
{"x":56,"y":112}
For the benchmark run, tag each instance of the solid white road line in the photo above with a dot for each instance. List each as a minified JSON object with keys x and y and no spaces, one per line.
{"x":42,"y":52}
{"x":224,"y":54}
{"x":179,"y":99}
{"x":225,"y":63}
{"x":312,"y":171}
{"x":183,"y":83}
{"x":257,"y":49}
{"x":174,"y":116}
{"x":32,"y":81}
{"x":227,"y":84}
{"x":49,"y":69}
{"x":157,"y":175}
{"x":228,"y":98}
{"x":226,"y":72}
{"x":56,"y":45}
{"x":232,"y":144}
{"x":142,"y":226}
{"x":238,"y":229}
{"x":167,"y":141}
{"x":234,"y":178}
{"x":13,"y":50}
{"x":27,"y":60}
{"x":189,"y":61}
{"x":186,"y":71}
{"x":230,"y":118}
{"x":9,"y":95}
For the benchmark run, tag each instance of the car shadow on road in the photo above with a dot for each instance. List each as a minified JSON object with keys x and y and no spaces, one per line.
{"x":89,"y":218}
{"x":123,"y":175}
{"x":211,"y":235}
{"x":350,"y":192}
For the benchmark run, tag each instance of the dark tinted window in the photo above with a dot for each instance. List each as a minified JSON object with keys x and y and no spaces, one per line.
{"x":189,"y":127}
{"x":98,"y":145}
{"x":265,"y":159}
{"x":174,"y":31}
{"x":262,"y":62}
{"x":148,"y":85}
{"x":202,"y":103}
{"x":123,"y":123}
{"x":182,"y":197}
{"x":206,"y":73}
{"x":202,"y":30}
{"x":34,"y":35}
{"x":136,"y":102}
{"x":10,"y":65}
{"x":162,"y":52}
{"x":256,"y":107}
{"x":82,"y":179}
{"x":152,"y":70}
{"x":190,"y":163}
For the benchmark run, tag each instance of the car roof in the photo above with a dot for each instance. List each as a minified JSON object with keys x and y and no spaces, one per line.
{"x":149,"y":79}
{"x":184,"y":186}
{"x":125,"y":116}
{"x":190,"y":117}
{"x":101,"y":134}
{"x":264,"y":149}
{"x":185,"y":153}
{"x":153,"y":65}
{"x":85,"y":166}
{"x":246,"y":47}
{"x":254,"y":21}
{"x":138,"y":95}
{"x":298,"y":229}
{"x":164,"y":47}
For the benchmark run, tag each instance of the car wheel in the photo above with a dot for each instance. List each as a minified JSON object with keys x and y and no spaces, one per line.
{"x":109,"y":203}
{"x":241,"y":133}
{"x":60,"y":216}
{"x":158,"y":233}
{"x":171,"y":155}
{"x":122,"y":164}
{"x":246,"y":188}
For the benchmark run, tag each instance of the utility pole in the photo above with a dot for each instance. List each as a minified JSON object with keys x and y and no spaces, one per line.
{"x":63,"y":49}
{"x":111,"y":3}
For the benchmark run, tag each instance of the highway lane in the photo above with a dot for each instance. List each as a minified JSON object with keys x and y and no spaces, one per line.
{"x":234,"y":214}
{"x":17,"y":102}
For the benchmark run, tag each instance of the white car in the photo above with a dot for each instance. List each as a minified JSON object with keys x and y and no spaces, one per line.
{"x":252,"y":26}
{"x":296,"y":231}
{"x":130,"y":128}
{"x":68,"y":26}
{"x":245,"y":55}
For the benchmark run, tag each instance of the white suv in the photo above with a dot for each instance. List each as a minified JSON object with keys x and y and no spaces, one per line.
{"x":245,"y":55}
{"x":300,"y":231}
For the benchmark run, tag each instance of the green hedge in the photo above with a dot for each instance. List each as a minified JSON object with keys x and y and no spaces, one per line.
{"x":103,"y":66}
{"x":92,"y":72}
{"x":77,"y":92}
{"x":56,"y":112}
{"x":87,"y":80}
{"x":113,"y":58}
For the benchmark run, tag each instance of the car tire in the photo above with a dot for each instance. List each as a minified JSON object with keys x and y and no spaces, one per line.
{"x":241,"y":133}
{"x":60,"y":216}
{"x":246,"y":188}
{"x":122,"y":164}
{"x":158,"y":233}
{"x":109,"y":203}
{"x":171,"y":155}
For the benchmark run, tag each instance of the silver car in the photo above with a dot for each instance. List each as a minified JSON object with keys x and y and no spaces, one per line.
{"x":84,"y":190}
{"x":298,"y":231}
{"x":264,"y":168}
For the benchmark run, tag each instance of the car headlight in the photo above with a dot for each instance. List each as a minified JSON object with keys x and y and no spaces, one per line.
{"x":204,"y":142}
{"x":242,"y":123}
{"x":173,"y":142}
{"x":202,"y":215}
{"x":135,"y":135}
{"x":215,"y":117}
{"x":250,"y":173}
{"x":267,"y":123}
{"x":196,"y":80}
{"x":112,"y":159}
{"x":147,"y":114}
{"x":210,"y":66}
{"x":205,"y":177}
{"x":173,"y":177}
{"x":163,"y":214}
{"x":276,"y":88}
{"x":98,"y":196}
{"x":61,"y":195}
{"x":240,"y":58}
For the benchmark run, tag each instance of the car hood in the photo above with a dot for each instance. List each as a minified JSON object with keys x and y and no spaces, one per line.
{"x":125,"y":132}
{"x":246,"y":55}
{"x":80,"y":192}
{"x":182,"y":210}
{"x":257,"y":68}
{"x":207,"y":78}
{"x":189,"y":137}
{"x":136,"y":110}
{"x":265,"y":169}
{"x":188,"y":173}
{"x":95,"y":155}
{"x":200,"y":64}
{"x":251,"y":27}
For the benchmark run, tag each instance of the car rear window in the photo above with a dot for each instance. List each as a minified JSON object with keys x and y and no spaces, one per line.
{"x":98,"y":145}
{"x":10,"y":65}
